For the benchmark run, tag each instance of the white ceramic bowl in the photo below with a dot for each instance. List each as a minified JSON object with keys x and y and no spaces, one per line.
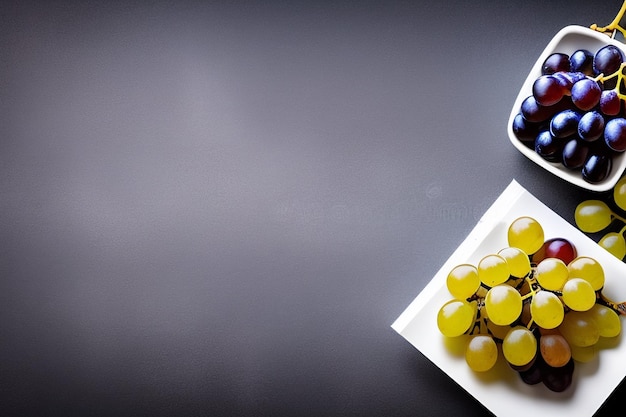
{"x":567,"y":40}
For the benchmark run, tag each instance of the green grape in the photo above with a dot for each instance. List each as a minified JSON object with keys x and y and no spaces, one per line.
{"x":588,"y":269}
{"x":579,"y":329}
{"x":518,"y":261}
{"x":578,"y":294}
{"x":607,"y":320}
{"x":583,"y":354}
{"x":526,"y":234}
{"x":519,"y":346}
{"x":555,"y":350}
{"x":592,"y":216}
{"x":547,"y":310}
{"x":481,"y":353}
{"x":619,"y":193}
{"x":552,"y":273}
{"x":493,"y":270}
{"x":503,"y":304}
{"x":463,"y":281}
{"x":456,"y":317}
{"x":614,"y":243}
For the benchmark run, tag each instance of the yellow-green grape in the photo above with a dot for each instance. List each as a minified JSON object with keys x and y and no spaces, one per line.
{"x":552,"y":273}
{"x":503,"y":304}
{"x":584,"y":354}
{"x":493,"y":270}
{"x":579,"y":329}
{"x":619,"y":193}
{"x":588,"y":269}
{"x":578,"y":294}
{"x":518,"y":261}
{"x":592,"y":216}
{"x":456,"y":317}
{"x":555,"y":350}
{"x":614,"y":243}
{"x":607,"y":320}
{"x":526,"y":234}
{"x":547,"y":310}
{"x":519,"y":346}
{"x":463,"y":281}
{"x":481,"y":353}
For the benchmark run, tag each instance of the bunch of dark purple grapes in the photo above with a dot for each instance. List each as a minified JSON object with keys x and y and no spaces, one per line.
{"x":576,"y":114}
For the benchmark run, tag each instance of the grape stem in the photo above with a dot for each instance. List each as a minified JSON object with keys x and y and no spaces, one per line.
{"x":614,"y":25}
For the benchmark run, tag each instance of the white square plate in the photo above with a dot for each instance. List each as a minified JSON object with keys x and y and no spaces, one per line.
{"x":567,"y":40}
{"x":501,"y":390}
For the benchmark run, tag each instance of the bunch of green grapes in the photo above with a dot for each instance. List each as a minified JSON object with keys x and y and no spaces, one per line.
{"x":537,"y":299}
{"x":595,"y":215}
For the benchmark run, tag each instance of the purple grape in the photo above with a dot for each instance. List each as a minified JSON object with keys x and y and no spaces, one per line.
{"x":582,"y":61}
{"x":547,"y":90}
{"x":564,"y":123}
{"x":523,"y":129}
{"x":548,"y":147}
{"x":607,"y":60}
{"x":615,"y":134}
{"x":558,"y":379}
{"x":554,"y":63}
{"x":591,"y":126}
{"x":597,"y":167}
{"x":586,"y":94}
{"x":575,"y":153}
{"x":610,"y":103}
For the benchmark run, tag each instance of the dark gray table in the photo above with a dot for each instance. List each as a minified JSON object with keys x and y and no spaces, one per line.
{"x":219,"y":208}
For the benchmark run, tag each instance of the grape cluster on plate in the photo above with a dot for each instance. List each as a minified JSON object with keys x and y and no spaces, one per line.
{"x":575,"y":115}
{"x":536,"y":303}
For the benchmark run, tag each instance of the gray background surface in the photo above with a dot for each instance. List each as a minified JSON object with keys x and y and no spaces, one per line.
{"x":219,"y":208}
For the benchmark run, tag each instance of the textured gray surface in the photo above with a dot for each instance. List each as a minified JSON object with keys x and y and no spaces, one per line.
{"x":220,"y":208}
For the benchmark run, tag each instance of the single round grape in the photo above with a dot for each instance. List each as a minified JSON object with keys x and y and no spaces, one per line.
{"x":591,"y":126}
{"x":532,"y":375}
{"x":547,"y":310}
{"x":503,"y":304}
{"x":610,"y":103}
{"x":493,"y":270}
{"x":578,"y":294}
{"x":588,"y":269}
{"x":579,"y":329}
{"x":565,"y":123}
{"x":455,"y":317}
{"x":584,"y":354}
{"x":526,"y":233}
{"x":547,"y":90}
{"x":463,"y":281}
{"x":556,"y":247}
{"x":586,"y":94}
{"x":523,"y":129}
{"x":607,"y":320}
{"x":548,"y":147}
{"x":615,"y":134}
{"x":607,"y":60}
{"x":597,"y":168}
{"x":519,"y":346}
{"x":581,"y":60}
{"x":574,"y":153}
{"x":619,"y":193}
{"x":558,"y":379}
{"x":517,"y":260}
{"x":614,"y":243}
{"x":592,"y":216}
{"x":556,"y":62}
{"x":552,"y":273}
{"x":481,"y":353}
{"x":533,"y":112}
{"x":555,"y":350}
